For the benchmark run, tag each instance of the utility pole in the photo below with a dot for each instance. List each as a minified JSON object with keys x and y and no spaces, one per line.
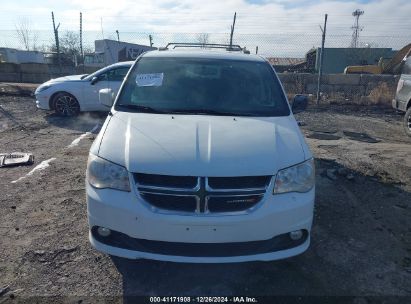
{"x":118,"y":36}
{"x":232,"y":30}
{"x":81,"y":40}
{"x":320,"y":72}
{"x":56,"y":36}
{"x":356,"y":28}
{"x":151,"y":40}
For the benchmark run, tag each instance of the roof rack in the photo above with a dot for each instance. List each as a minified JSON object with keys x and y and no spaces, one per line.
{"x":227,"y":47}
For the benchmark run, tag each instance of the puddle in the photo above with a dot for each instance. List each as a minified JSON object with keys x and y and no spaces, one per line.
{"x":323,"y":136}
{"x":328,"y":131}
{"x":363,"y":137}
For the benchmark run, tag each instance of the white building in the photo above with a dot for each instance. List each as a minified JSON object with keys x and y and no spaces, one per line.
{"x":111,"y":51}
{"x":21,"y":56}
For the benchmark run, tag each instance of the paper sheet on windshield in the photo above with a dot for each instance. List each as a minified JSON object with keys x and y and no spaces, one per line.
{"x":150,"y":80}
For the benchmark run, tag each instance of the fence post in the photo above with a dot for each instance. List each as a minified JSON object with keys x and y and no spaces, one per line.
{"x":151,"y":40}
{"x":320,"y":68}
{"x":81,"y":41}
{"x":56,"y":36}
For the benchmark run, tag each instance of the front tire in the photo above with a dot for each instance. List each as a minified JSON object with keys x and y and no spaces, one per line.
{"x":407,"y":122}
{"x":65,"y":104}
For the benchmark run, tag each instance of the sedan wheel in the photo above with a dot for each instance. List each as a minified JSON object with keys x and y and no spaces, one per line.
{"x":407,"y":122}
{"x":66,"y":105}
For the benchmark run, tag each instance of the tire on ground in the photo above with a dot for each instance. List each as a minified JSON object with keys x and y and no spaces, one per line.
{"x":407,"y":122}
{"x":65,"y":104}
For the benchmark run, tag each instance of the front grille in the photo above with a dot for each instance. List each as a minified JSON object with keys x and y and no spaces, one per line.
{"x":201,"y":195}
{"x":232,"y":203}
{"x":166,"y":180}
{"x":171,"y":202}
{"x":243,"y":182}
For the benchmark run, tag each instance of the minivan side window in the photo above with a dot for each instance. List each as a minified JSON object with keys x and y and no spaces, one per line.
{"x":407,"y":66}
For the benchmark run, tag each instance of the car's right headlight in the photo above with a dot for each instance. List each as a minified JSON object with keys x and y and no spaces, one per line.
{"x":42,"y":88}
{"x":102,"y":174}
{"x":298,"y":178}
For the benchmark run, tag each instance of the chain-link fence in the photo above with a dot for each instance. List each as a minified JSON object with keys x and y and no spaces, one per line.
{"x":292,"y":50}
{"x":286,"y":45}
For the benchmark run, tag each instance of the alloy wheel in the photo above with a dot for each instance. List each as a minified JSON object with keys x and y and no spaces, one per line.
{"x":67,"y":105}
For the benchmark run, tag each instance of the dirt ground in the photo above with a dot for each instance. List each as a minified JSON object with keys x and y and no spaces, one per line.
{"x":361,"y":238}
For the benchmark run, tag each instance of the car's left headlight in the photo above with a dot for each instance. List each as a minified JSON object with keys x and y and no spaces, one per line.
{"x":43,"y":88}
{"x":298,"y":178}
{"x":102,"y":174}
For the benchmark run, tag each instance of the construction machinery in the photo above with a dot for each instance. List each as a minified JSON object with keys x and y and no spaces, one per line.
{"x":391,"y":66}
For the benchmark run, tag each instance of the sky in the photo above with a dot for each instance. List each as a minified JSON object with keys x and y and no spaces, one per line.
{"x":287,"y":24}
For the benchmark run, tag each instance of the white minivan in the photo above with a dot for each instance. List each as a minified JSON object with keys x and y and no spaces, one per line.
{"x":200,"y":160}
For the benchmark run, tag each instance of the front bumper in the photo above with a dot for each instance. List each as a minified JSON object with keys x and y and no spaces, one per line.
{"x":399,"y":105}
{"x":42,"y":101}
{"x":132,"y":254}
{"x":125,"y":213}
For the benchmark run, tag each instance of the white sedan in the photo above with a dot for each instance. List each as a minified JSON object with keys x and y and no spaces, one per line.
{"x":69,"y":95}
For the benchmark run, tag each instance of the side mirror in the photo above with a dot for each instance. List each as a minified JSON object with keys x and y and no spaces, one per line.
{"x":94,"y":80}
{"x":106,"y":97}
{"x":299,"y":104}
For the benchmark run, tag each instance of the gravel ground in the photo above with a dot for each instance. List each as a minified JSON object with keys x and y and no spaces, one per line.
{"x":361,"y":238}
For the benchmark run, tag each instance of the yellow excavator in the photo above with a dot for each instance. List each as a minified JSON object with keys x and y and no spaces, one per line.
{"x":392,"y":66}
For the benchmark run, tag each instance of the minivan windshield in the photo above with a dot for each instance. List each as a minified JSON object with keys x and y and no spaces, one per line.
{"x":202,"y":86}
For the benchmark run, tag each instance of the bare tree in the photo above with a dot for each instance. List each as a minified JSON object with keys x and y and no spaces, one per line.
{"x":203,"y":38}
{"x":26,"y":35}
{"x":70,"y":43}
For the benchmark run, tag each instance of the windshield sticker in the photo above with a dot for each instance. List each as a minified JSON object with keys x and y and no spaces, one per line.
{"x":150,"y":80}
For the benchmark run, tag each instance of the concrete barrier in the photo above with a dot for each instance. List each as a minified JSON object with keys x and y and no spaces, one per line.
{"x":64,"y":70}
{"x":9,"y":77}
{"x":38,"y":72}
{"x":34,"y":68}
{"x":342,"y":79}
{"x":34,"y":77}
{"x":6,"y":67}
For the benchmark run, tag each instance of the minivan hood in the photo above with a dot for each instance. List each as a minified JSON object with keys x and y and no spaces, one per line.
{"x":201,"y":145}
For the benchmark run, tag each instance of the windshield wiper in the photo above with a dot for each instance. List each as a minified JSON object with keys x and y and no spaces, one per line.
{"x":139,"y":108}
{"x":208,"y":112}
{"x":147,"y":109}
{"x":84,"y":76}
